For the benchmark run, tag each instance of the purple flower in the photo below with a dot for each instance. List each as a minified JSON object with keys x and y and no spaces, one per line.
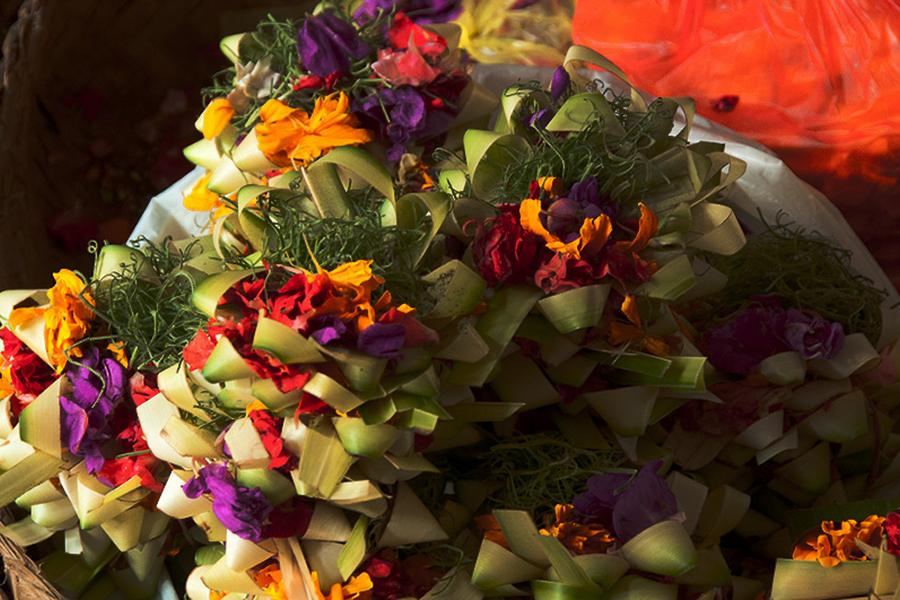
{"x":398,"y":114}
{"x":420,"y":11}
{"x":540,"y":118}
{"x":242,"y":510}
{"x":98,"y":388}
{"x":812,"y":335}
{"x":630,"y":503}
{"x":750,"y":337}
{"x":587,"y":193}
{"x":559,"y":85}
{"x":383,"y":340}
{"x":326,"y":44}
{"x":327,"y":329}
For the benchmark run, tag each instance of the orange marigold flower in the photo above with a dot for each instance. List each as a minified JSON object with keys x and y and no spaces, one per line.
{"x":593,"y":235}
{"x":66,"y":319}
{"x":270,"y":580}
{"x":832,"y":544}
{"x":581,"y":538}
{"x":290,"y":136}
{"x":117,"y":349}
{"x":216,"y":117}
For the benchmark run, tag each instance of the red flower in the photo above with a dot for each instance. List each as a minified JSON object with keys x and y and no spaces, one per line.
{"x":503,"y":251}
{"x":269,"y":429}
{"x":310,"y":404}
{"x":248,"y":295}
{"x":404,"y":33}
{"x":309,"y":82}
{"x":117,"y":471}
{"x":240,"y":334}
{"x":561,"y":272}
{"x":289,"y":519}
{"x":143,"y":387}
{"x":199,"y":349}
{"x":892,"y":531}
{"x":11,"y":344}
{"x":30,"y":375}
{"x":393,"y":579}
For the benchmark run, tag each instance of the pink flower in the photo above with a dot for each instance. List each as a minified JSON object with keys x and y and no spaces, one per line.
{"x":405,"y":67}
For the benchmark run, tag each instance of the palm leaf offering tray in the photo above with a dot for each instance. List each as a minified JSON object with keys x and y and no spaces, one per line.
{"x":417,"y":329}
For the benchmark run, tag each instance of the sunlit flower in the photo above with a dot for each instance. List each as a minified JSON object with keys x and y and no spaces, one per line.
{"x":580,"y":535}
{"x":66,"y":320}
{"x":269,"y":578}
{"x":216,"y":117}
{"x":202,"y":199}
{"x":591,"y":237}
{"x":832,"y":544}
{"x":290,"y":136}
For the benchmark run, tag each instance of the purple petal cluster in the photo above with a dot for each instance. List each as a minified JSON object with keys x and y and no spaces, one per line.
{"x":242,"y":510}
{"x":420,"y":11}
{"x":326,"y":44}
{"x":630,"y":502}
{"x":383,"y":340}
{"x":764,"y":329}
{"x":812,"y":335}
{"x":399,"y":114}
{"x":98,"y":388}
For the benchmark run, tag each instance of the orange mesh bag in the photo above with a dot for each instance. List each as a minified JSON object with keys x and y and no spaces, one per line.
{"x":817,"y":80}
{"x":791,"y":73}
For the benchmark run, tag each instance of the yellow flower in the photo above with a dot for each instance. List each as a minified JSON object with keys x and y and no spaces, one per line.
{"x":580,"y":538}
{"x":216,"y":116}
{"x":202,"y":199}
{"x":290,"y":136}
{"x":66,"y":320}
{"x":355,"y":589}
{"x":593,"y":234}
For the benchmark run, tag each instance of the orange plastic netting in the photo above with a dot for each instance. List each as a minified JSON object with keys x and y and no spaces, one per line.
{"x":820,"y":76}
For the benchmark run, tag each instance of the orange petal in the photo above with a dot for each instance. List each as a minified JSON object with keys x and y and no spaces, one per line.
{"x":357,"y":585}
{"x":530,"y":217}
{"x":619,"y":333}
{"x":552,"y":185}
{"x":630,"y":309}
{"x":595,"y":233}
{"x":20,"y":316}
{"x":647,"y":228}
{"x":216,"y":116}
{"x":200,"y":198}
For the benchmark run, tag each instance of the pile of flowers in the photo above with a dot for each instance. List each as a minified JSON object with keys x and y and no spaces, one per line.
{"x":550,"y":361}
